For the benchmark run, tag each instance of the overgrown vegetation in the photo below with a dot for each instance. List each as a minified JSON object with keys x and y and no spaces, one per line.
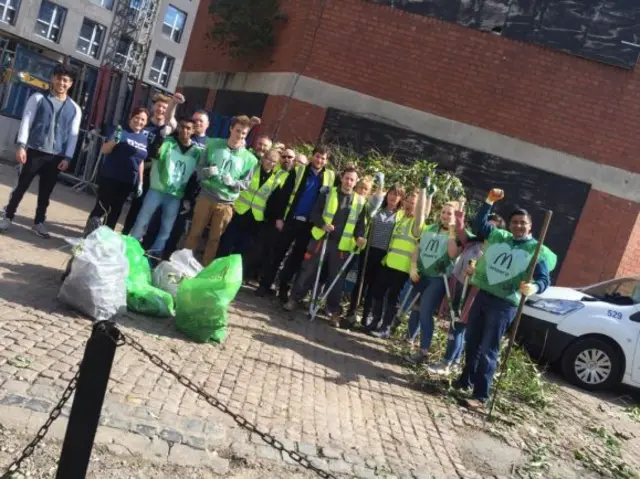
{"x":411,"y":175}
{"x":246,"y":28}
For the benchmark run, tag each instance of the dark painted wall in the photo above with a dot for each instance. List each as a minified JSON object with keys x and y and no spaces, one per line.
{"x":232,"y":103}
{"x":525,"y":186}
{"x":592,"y":29}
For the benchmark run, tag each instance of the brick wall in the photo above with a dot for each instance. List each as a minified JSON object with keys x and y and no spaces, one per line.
{"x":522,"y":90}
{"x":599,"y":249}
{"x":630,"y":264}
{"x":306,"y":127}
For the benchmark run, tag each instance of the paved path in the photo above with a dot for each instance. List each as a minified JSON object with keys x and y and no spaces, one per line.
{"x":335,"y":396}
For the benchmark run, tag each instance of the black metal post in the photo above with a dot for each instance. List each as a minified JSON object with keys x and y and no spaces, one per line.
{"x":87,"y":403}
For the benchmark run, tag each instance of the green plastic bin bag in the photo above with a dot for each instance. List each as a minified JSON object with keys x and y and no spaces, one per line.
{"x":142,"y":296}
{"x":203,"y":301}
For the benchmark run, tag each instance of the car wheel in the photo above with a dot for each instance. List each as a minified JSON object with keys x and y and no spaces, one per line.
{"x":592,"y":364}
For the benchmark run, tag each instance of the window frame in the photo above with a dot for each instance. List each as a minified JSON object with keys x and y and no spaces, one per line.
{"x":91,"y":40}
{"x":165,"y":59}
{"x":173,"y":28}
{"x":59,"y":14}
{"x":5,"y":5}
{"x":101,"y":3}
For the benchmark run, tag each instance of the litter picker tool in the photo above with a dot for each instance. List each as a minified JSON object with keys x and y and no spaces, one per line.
{"x":316,"y":305}
{"x":452,"y":313}
{"x":516,"y":321}
{"x":314,"y":296}
{"x":465,"y":288}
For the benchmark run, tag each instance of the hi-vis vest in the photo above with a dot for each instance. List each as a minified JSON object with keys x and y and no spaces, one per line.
{"x":255,"y":197}
{"x":328,"y":179}
{"x":402,"y":245}
{"x":347,"y":241}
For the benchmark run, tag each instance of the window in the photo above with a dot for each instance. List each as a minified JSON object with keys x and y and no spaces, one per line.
{"x":174,"y":23}
{"x":9,"y":11}
{"x":124,"y":50}
{"x":50,"y":21}
{"x":90,"y":39}
{"x":161,"y":69}
{"x":108,"y":4}
{"x":622,"y":291}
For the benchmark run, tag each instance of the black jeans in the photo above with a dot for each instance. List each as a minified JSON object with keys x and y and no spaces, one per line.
{"x":40,"y":164}
{"x":298,"y":233}
{"x":136,"y":204}
{"x":388,"y":286}
{"x":374,"y":265}
{"x":112,"y":195}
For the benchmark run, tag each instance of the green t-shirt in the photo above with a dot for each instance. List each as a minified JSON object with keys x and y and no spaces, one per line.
{"x":172,"y":169}
{"x":433,"y":259}
{"x":238,"y":163}
{"x":504,"y":262}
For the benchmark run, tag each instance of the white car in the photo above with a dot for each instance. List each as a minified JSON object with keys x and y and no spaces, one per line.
{"x":593,"y":333}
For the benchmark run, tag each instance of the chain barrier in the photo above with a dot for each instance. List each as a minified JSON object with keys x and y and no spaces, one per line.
{"x":185,"y":381}
{"x":300,"y":459}
{"x":14,"y":467}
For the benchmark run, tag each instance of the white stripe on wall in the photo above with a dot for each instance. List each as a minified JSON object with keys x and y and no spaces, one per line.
{"x":608,"y":179}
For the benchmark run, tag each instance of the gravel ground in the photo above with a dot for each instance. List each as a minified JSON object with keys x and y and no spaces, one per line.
{"x":107,"y":465}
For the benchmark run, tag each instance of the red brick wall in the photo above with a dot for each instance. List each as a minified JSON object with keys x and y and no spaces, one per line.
{"x":302,"y":121}
{"x":521,"y":90}
{"x":599,"y":249}
{"x":293,"y":37}
{"x":630,"y":264}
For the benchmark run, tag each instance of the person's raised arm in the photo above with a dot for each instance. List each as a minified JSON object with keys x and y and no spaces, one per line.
{"x":480,"y":225}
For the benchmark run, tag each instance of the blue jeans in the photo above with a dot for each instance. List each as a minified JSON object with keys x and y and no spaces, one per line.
{"x":455,"y":344}
{"x":153,"y":201}
{"x":433,"y":291}
{"x":489,"y":319}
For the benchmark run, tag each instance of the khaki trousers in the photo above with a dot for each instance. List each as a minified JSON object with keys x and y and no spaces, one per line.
{"x":217,"y":216}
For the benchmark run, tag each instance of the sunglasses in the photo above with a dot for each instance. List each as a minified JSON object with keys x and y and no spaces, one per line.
{"x":287,"y":157}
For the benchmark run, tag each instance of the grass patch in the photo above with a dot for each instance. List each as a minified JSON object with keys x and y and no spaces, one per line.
{"x":521,"y":385}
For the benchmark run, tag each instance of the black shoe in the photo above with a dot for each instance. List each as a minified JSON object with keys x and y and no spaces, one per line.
{"x":261,"y":292}
{"x":283,"y":294}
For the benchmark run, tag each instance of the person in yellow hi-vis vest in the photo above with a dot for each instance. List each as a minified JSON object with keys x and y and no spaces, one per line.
{"x":338,"y":217}
{"x":250,"y":207}
{"x":293,"y":219}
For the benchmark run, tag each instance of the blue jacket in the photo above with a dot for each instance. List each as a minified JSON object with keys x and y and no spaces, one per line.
{"x":37,"y":120}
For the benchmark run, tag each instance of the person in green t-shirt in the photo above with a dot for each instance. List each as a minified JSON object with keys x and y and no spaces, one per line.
{"x":171,"y":172}
{"x":432,"y":260}
{"x":225,"y":170}
{"x":499,"y":276}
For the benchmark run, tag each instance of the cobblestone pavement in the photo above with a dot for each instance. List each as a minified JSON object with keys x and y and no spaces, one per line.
{"x":335,"y":396}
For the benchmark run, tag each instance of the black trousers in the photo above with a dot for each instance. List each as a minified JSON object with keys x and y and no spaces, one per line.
{"x":239,"y":236}
{"x":374,"y":265}
{"x":136,"y":204}
{"x":260,"y":255}
{"x":112,"y":195}
{"x":39,"y":164}
{"x":388,"y":286}
{"x":294,"y":232}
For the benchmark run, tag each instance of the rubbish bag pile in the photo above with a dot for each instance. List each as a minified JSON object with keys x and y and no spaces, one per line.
{"x":109,"y":273}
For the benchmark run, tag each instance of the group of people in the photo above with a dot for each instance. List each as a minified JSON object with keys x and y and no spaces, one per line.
{"x":294,"y":219}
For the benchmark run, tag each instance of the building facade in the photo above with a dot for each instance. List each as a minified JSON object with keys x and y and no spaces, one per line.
{"x":147,"y":38}
{"x":546,"y":107}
